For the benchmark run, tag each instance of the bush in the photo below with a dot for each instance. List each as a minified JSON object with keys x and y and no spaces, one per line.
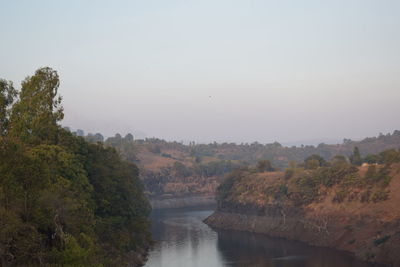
{"x":381,"y":240}
{"x":224,"y":189}
{"x":330,"y":176}
{"x":303,"y":189}
{"x":289,"y":174}
{"x":380,"y":195}
{"x":371,"y":159}
{"x":340,"y":196}
{"x":351,"y":241}
{"x":365,"y":196}
{"x":390,"y":156}
{"x":166,"y":155}
{"x":278,"y":191}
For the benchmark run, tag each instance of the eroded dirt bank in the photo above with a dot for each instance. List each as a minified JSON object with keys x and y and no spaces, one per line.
{"x":370,"y":230}
{"x":366,"y":236}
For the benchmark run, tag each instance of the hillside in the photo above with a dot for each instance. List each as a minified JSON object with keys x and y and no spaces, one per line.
{"x":172,"y":169}
{"x":337,"y":205}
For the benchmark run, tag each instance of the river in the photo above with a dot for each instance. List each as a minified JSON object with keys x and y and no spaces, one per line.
{"x":183,"y":240}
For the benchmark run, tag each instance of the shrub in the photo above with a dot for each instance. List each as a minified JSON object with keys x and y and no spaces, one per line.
{"x":365,"y":196}
{"x":381,"y":240}
{"x":380,"y":195}
{"x":277,"y":191}
{"x":303,"y":189}
{"x":330,"y":176}
{"x":289,"y":174}
{"x":340,"y":196}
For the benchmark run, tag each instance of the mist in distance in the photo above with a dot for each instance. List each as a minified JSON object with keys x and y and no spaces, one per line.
{"x":204,"y":71}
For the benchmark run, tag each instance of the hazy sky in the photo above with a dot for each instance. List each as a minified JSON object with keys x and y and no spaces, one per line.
{"x":208,"y":70}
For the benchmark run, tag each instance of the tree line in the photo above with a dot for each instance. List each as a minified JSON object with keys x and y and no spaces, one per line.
{"x":63,"y":201}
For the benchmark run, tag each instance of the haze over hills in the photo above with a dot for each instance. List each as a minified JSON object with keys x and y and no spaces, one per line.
{"x":174,"y":169}
{"x":256,"y":110}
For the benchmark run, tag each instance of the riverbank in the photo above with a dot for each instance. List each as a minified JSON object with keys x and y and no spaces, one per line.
{"x":367,"y":228}
{"x":338,"y":232}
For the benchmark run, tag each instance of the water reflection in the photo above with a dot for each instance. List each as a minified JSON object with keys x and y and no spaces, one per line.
{"x":184,"y":240}
{"x":246,"y":249}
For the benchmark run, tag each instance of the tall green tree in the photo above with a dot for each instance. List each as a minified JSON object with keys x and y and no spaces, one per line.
{"x":7,"y":96}
{"x":35,"y":115}
{"x":355,"y":158}
{"x":63,"y":201}
{"x":264,"y":165}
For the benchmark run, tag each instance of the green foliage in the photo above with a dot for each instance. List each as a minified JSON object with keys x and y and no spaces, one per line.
{"x":330,"y":176}
{"x":63,"y":202}
{"x":181,"y":170}
{"x":390,"y":156}
{"x":381,"y":240}
{"x":7,"y":96}
{"x":220,"y":167}
{"x":372,"y":159}
{"x":340,"y":195}
{"x":278,"y":191}
{"x":35,"y":115}
{"x":313,"y":162}
{"x":371,"y":174}
{"x":289,"y":173}
{"x":355,"y":158}
{"x":352,"y":241}
{"x":154,"y":148}
{"x":125,"y":146}
{"x":303,"y":188}
{"x":381,"y":176}
{"x":225,"y":188}
{"x":264,"y":166}
{"x":379,"y":195}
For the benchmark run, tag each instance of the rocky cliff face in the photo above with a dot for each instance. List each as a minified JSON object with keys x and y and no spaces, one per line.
{"x":370,"y":230}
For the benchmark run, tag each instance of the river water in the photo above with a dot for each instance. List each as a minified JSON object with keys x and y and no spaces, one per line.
{"x":183,"y":240}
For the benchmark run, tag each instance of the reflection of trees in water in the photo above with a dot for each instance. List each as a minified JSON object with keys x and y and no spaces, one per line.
{"x":246,"y":249}
{"x":184,"y":240}
{"x":180,"y":230}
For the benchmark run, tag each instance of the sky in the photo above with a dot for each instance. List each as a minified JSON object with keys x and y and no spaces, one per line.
{"x":214,"y":70}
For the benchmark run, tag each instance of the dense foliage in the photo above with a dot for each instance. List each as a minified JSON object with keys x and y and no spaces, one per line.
{"x":63,"y":201}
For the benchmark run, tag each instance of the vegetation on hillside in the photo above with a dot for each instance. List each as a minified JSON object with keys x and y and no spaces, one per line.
{"x":63,"y":201}
{"x":176,"y":169}
{"x":312,"y":180}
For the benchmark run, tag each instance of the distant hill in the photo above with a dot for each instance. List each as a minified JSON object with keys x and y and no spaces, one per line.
{"x":171,"y":169}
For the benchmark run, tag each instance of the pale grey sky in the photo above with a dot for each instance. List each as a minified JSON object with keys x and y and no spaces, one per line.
{"x":223,"y":70}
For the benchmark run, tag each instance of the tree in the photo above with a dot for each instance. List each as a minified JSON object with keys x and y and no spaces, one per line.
{"x":370,"y":159}
{"x":129,"y":137}
{"x":35,"y":115}
{"x":314,"y":161}
{"x":180,"y":169}
{"x":264,"y":165}
{"x":339,"y":159}
{"x":355,"y":158}
{"x":63,"y":201}
{"x":7,"y":96}
{"x":390,"y":156}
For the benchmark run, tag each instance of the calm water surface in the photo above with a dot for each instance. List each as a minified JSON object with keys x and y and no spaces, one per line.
{"x":183,"y":240}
